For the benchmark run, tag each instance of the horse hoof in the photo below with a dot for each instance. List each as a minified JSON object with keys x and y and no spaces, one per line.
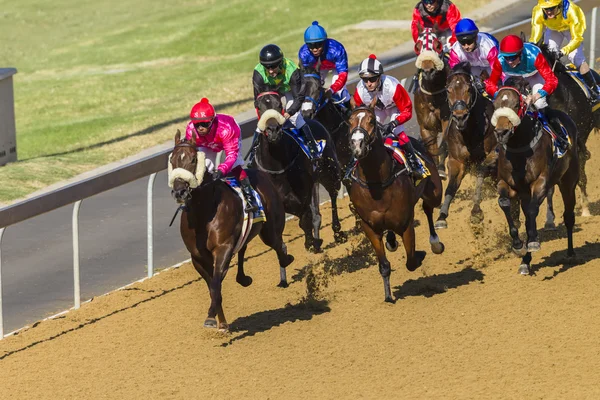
{"x":288,"y":261}
{"x":441,"y":224}
{"x":438,"y":248}
{"x":245,"y":280}
{"x":419,"y":257}
{"x":391,"y":247}
{"x":520,"y":251}
{"x":442,"y":175}
{"x":586,"y":212}
{"x":283,"y":284}
{"x":223,"y":327}
{"x":340,"y":237}
{"x":524,"y":269}
{"x":476,"y":219}
{"x":550,"y":226}
{"x":210,"y":323}
{"x":533,"y":246}
{"x":389,"y":300}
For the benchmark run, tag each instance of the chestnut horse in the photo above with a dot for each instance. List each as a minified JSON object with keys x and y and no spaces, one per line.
{"x":384,"y":195}
{"x":528,"y":167}
{"x":470,"y":139}
{"x":211,"y":222}
{"x":431,"y":106}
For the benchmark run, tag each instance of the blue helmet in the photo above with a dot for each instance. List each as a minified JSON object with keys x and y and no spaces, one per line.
{"x":315,"y":33}
{"x":466,"y":27}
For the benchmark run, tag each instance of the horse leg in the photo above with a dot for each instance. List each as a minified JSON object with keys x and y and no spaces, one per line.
{"x":384,"y":265}
{"x":550,"y":216}
{"x":508,"y":208}
{"x":222,"y":256}
{"x":456,"y":170}
{"x":582,"y":183}
{"x":567,"y":190}
{"x":206,"y":275}
{"x":336,"y":226}
{"x":316,"y":215}
{"x":443,"y":151}
{"x":437,"y":247}
{"x":275,"y":242}
{"x":476,"y":212}
{"x":241,"y":277}
{"x":431,"y":139}
{"x":414,"y":258}
{"x":306,"y":224}
{"x":530,"y":204}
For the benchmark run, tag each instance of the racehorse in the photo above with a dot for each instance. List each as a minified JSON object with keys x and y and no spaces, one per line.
{"x":528,"y":167}
{"x":570,"y":98}
{"x":292,"y":172}
{"x":431,"y":106}
{"x":212,"y":219}
{"x":470,"y":139}
{"x":316,"y":106}
{"x":384,"y":195}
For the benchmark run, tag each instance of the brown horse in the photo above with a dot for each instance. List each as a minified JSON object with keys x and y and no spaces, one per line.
{"x":211,"y":222}
{"x":528,"y":168}
{"x":470,"y":139}
{"x":431,"y":106}
{"x":384,"y":195}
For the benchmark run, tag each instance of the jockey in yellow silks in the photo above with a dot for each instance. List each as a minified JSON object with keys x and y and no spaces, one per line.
{"x":561,"y":21}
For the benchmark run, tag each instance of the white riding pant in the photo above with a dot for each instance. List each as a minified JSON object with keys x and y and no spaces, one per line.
{"x":211,"y":158}
{"x":537,"y":82}
{"x":341,"y":94}
{"x":386,"y":115}
{"x":297,"y":118}
{"x":555,"y":39}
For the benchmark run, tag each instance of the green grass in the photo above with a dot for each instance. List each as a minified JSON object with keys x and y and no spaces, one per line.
{"x":93,"y":73}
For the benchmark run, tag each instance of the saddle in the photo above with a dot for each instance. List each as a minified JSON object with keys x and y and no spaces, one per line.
{"x":560,"y":142}
{"x":250,"y":218}
{"x":576,"y":76}
{"x":299,"y":139}
{"x":398,"y":155}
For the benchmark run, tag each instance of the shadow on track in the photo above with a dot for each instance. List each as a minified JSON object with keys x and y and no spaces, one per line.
{"x":431,"y":285}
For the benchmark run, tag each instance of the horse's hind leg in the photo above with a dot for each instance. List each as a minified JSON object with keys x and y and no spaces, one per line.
{"x":222,"y":257}
{"x":567,"y":190}
{"x":275,"y":241}
{"x":241,"y":276}
{"x":437,"y":247}
{"x":384,"y":265}
{"x":550,"y":225}
{"x":316,"y":215}
{"x":414,"y":258}
{"x":476,"y":212}
{"x":582,"y":183}
{"x":507,"y":207}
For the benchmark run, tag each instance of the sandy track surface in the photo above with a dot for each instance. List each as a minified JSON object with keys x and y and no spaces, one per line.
{"x":465,"y":325}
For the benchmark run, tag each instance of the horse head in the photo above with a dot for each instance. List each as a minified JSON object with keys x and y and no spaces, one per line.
{"x":510,"y":108}
{"x":270,"y":111}
{"x":363,"y":129}
{"x":429,"y":50}
{"x":462,"y":94}
{"x":186,"y":168}
{"x":313,"y":89}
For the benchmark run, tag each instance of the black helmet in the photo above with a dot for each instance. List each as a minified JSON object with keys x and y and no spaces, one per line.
{"x":271,"y":56}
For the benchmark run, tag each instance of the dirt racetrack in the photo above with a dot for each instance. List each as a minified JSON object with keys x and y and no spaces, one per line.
{"x":465,"y":325}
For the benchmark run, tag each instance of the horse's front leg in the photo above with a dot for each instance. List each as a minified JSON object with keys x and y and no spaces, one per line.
{"x":432,"y":141}
{"x":504,"y":201}
{"x":316,"y":213}
{"x":222,"y":256}
{"x":457,"y":171}
{"x":385,"y":268}
{"x":531,"y":208}
{"x":476,"y":212}
{"x":584,"y":155}
{"x":306,"y":224}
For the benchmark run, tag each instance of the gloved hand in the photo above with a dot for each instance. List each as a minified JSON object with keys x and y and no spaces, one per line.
{"x":479,"y":85}
{"x":388,"y":128}
{"x":328,"y":93}
{"x":560,"y":54}
{"x":218,"y":174}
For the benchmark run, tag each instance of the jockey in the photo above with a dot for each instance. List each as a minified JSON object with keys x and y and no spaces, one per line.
{"x":563,"y":21}
{"x":478,"y":48}
{"x":527,"y":61}
{"x":216,"y":132}
{"x":429,"y":13}
{"x":275,"y":73}
{"x":393,"y":102}
{"x":326,"y":55}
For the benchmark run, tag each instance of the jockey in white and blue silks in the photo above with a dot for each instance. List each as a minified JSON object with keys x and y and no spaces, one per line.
{"x":326,"y":55}
{"x":478,"y":48}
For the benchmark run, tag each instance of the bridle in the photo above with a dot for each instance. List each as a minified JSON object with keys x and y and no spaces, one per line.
{"x":428,"y":40}
{"x":461,"y":103}
{"x":376,"y":134}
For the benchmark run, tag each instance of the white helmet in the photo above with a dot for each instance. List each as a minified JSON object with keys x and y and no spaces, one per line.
{"x":370,"y":67}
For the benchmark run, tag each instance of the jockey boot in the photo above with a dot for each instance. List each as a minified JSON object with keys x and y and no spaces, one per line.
{"x":414,"y":165}
{"x":307,"y":135}
{"x":560,"y":141}
{"x":347,"y":179}
{"x":594,"y":86}
{"x":251,"y":205}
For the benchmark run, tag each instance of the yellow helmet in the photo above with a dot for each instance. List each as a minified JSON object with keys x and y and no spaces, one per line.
{"x":549,"y":3}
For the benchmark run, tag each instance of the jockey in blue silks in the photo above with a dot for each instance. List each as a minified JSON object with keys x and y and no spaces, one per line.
{"x":325,"y":55}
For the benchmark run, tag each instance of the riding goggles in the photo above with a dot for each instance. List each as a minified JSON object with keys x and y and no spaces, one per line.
{"x":429,"y":1}
{"x":551,"y":10}
{"x":203,"y":124}
{"x":512,"y":57}
{"x":315,"y":45}
{"x":371,"y":79}
{"x":466,"y":40}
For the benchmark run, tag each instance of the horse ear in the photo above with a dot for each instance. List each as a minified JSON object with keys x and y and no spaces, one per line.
{"x":419,"y":28}
{"x":194,"y":137}
{"x":522,"y":35}
{"x":373,"y":102}
{"x":352,"y":103}
{"x":177,"y":137}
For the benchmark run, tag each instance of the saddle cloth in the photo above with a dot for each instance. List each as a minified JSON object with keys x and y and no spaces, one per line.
{"x":250,"y":218}
{"x":293,"y":133}
{"x":548,"y":129}
{"x":399,"y":156}
{"x":574,"y":73}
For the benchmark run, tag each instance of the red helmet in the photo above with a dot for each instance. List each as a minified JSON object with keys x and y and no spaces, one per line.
{"x":511,"y":45}
{"x":202,"y":112}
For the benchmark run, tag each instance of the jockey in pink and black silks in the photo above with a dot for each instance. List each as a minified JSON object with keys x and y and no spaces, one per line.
{"x":431,"y":13}
{"x":215,"y":133}
{"x":326,"y":54}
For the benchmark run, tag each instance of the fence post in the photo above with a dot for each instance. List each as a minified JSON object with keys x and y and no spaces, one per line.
{"x":593,"y":37}
{"x":1,"y":309}
{"x":76,"y":287}
{"x":150,"y":218}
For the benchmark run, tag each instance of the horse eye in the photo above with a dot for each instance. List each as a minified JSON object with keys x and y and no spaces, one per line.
{"x":194,"y":159}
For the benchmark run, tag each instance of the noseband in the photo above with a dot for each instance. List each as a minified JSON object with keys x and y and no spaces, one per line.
{"x":360,"y":129}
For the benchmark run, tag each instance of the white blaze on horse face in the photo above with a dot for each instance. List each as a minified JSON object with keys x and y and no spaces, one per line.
{"x":307,"y":106}
{"x":182,"y":156}
{"x":360,"y":116}
{"x":358,"y":136}
{"x":505,"y":97}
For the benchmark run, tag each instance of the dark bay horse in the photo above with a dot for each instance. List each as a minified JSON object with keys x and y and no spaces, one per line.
{"x":211,"y":222}
{"x":571,"y":99}
{"x":316,"y":106}
{"x":292,"y":172}
{"x":528,"y":167}
{"x":431,"y":106}
{"x":470,"y":139}
{"x":384,"y":195}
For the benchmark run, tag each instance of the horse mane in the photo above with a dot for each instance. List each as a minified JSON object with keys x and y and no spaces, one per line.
{"x":519,"y":83}
{"x":552,"y":58}
{"x":462,"y":67}
{"x":308,"y":69}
